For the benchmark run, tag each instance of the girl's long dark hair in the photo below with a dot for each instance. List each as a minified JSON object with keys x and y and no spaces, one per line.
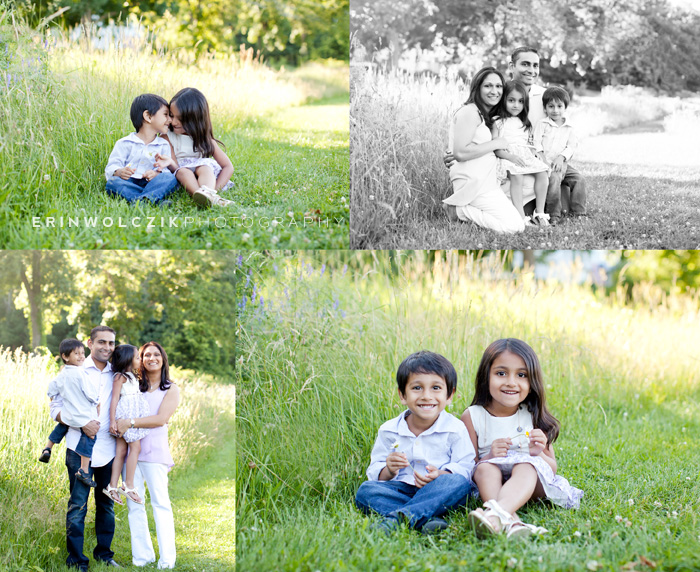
{"x":195,"y":120}
{"x":164,"y":373}
{"x":475,"y":94}
{"x":122,"y":357}
{"x":501,"y":111}
{"x":535,"y":400}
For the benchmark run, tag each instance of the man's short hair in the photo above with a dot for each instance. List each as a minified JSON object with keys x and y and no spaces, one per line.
{"x":522,"y":50}
{"x":67,"y":346}
{"x":97,"y":329}
{"x":556,"y":93}
{"x":427,"y":362}
{"x":145,"y":102}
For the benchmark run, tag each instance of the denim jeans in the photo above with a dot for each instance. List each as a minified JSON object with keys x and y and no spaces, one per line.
{"x":134,"y":190}
{"x":419,"y":505}
{"x":58,"y":433}
{"x":85,"y":444}
{"x":566,"y":193}
{"x":77,"y":509}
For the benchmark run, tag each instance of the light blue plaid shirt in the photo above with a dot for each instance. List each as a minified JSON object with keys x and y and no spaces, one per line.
{"x":130,"y":151}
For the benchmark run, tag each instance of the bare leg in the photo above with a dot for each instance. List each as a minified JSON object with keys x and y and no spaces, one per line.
{"x":118,"y":462}
{"x":205,"y":176}
{"x":85,"y":463}
{"x":489,"y":480}
{"x":516,"y":193}
{"x":541,"y":182}
{"x":519,"y":489}
{"x":188,"y":180}
{"x":49,"y":444}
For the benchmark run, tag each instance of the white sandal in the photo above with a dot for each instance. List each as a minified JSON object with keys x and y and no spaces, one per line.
{"x":483,"y":527}
{"x":109,"y":490}
{"x":123,"y":490}
{"x":542,"y":218}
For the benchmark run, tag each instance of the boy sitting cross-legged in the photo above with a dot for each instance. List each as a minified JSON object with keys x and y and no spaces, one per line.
{"x":422,"y":460}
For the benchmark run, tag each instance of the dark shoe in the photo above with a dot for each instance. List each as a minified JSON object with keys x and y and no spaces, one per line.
{"x":580,"y":215}
{"x":111,"y":562}
{"x":386,"y":526}
{"x":86,"y":479}
{"x":555,"y":221}
{"x":434,"y":525}
{"x":45,"y":455}
{"x":164,"y":204}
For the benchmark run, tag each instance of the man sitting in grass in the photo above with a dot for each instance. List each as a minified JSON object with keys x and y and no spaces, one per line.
{"x":135,"y":167}
{"x":422,"y":460}
{"x":555,"y":142}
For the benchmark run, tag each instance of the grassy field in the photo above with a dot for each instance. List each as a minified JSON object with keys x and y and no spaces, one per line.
{"x":642,"y":184}
{"x":317,"y":379}
{"x":65,"y":104}
{"x":33,"y":495}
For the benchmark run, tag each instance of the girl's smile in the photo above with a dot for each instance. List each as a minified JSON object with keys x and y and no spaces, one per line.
{"x":508,"y":384}
{"x":175,"y":124}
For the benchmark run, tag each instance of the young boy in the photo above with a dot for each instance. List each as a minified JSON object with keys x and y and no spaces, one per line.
{"x":135,"y":167}
{"x":80,"y":405}
{"x":556,"y":142}
{"x":422,"y":460}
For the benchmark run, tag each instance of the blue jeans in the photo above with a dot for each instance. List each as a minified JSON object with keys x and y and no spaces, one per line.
{"x":133,"y":190}
{"x":85,"y":444}
{"x":419,"y":505}
{"x":77,"y":509}
{"x":566,"y":193}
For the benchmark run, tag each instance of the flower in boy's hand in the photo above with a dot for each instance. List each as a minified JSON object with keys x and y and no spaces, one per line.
{"x":395,"y":447}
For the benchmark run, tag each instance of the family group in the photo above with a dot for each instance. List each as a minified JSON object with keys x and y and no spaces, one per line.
{"x":113,"y":409}
{"x":510,"y":150}
{"x":426,"y":462}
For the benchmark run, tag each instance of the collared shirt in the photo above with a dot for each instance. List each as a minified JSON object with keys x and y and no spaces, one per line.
{"x":105,"y":444}
{"x":79,"y":396}
{"x":445,"y":445}
{"x":131,"y":151}
{"x":555,"y":139}
{"x":535,"y":105}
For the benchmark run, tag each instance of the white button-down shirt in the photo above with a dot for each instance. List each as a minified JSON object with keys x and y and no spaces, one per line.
{"x":131,"y":151}
{"x":555,"y":139}
{"x":535,"y":107}
{"x":445,"y":445}
{"x":101,"y":383}
{"x":78,"y":394}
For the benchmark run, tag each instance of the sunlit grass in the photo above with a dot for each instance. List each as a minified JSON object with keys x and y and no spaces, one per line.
{"x":318,"y":359}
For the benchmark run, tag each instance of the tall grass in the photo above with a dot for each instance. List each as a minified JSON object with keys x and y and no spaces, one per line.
{"x":33,"y":495}
{"x":58,"y":129}
{"x":318,"y":360}
{"x":399,"y":135}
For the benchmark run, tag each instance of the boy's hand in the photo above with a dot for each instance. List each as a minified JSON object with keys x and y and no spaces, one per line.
{"x":432,"y":474}
{"x":449,"y":159}
{"x":124,"y":172}
{"x":499,"y":447}
{"x":150,"y":174}
{"x":538,"y":442}
{"x":559,"y":165}
{"x":396,"y":461}
{"x":163,"y":162}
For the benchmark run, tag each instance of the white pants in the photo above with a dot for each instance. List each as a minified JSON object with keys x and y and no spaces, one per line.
{"x":493,"y":210}
{"x":156,"y":477}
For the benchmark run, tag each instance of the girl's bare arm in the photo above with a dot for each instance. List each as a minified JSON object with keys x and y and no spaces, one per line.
{"x":226,"y":167}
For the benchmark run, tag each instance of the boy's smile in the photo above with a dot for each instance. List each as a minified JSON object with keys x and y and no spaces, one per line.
{"x":426,"y":397}
{"x":76,"y":357}
{"x":555,"y":111}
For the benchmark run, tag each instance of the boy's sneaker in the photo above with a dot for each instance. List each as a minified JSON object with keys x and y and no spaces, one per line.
{"x":45,"y":455}
{"x":386,"y":525}
{"x":85,"y":478}
{"x":434,"y":525}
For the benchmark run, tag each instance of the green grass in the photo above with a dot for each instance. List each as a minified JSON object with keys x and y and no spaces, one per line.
{"x":399,"y":135}
{"x":286,"y":133}
{"x":33,"y":495}
{"x":317,"y":379}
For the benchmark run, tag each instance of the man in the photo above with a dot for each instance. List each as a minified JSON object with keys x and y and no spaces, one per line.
{"x":99,"y":373}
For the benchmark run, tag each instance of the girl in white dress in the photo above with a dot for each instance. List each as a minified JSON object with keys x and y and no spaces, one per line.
{"x":203,"y":168}
{"x":519,"y":159}
{"x":128,"y":402}
{"x":512,"y":432}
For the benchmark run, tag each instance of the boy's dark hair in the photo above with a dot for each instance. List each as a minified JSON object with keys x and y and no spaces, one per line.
{"x":145,"y":102}
{"x":522,"y":50}
{"x":427,"y":362}
{"x":97,"y":329}
{"x":67,"y":346}
{"x":556,"y":93}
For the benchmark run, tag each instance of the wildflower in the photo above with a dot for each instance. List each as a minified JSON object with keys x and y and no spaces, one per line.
{"x":240,"y":260}
{"x":592,"y":565}
{"x":371,"y":197}
{"x":207,"y":245}
{"x":274,"y":223}
{"x":275,"y":239}
{"x":257,"y":202}
{"x":630,"y":502}
{"x":290,"y":214}
{"x":47,"y":177}
{"x":512,"y":562}
{"x":245,"y":236}
{"x":395,"y":447}
{"x":577,"y":534}
{"x":618,"y":518}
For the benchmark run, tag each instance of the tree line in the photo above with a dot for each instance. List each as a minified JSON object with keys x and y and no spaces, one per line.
{"x":185,"y":300}
{"x":590,"y":43}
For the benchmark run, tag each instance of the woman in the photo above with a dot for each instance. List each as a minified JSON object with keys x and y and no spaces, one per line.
{"x":155,"y":460}
{"x":477,"y":195}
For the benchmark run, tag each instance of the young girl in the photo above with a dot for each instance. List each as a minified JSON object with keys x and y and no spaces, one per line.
{"x":519,"y":159}
{"x":203,"y":168}
{"x":512,"y":432}
{"x":127,"y":403}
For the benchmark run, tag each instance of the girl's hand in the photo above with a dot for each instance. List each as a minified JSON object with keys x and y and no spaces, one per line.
{"x":124,"y":173}
{"x":538,"y":442}
{"x":113,"y":429}
{"x":519,"y":161}
{"x":499,"y":447}
{"x":163,"y":162}
{"x":396,"y":461}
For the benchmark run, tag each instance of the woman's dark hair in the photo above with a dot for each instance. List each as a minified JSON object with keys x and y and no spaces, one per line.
{"x":475,"y":94}
{"x":195,"y":120}
{"x":427,"y":362}
{"x":535,"y":400}
{"x":164,"y":372}
{"x":517,"y":86}
{"x":122,"y":357}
